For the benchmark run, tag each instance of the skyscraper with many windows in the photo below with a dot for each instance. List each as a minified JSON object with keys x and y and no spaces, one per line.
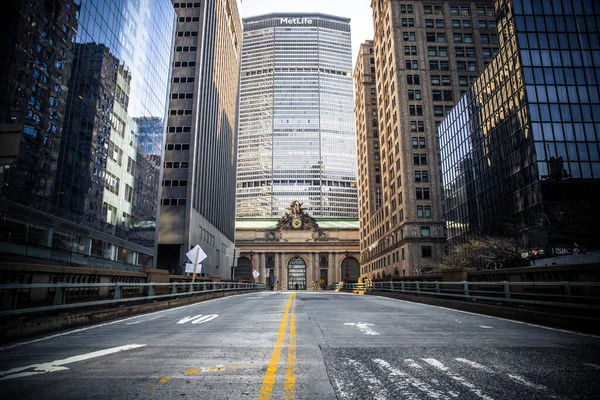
{"x":426,"y":53}
{"x":83,"y":93}
{"x":198,"y":187}
{"x":296,"y":137}
{"x":520,"y":152}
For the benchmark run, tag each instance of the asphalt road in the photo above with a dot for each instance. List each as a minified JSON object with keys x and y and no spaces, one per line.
{"x":304,"y":345}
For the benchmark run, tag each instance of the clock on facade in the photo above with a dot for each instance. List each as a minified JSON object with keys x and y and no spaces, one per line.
{"x":296,"y":223}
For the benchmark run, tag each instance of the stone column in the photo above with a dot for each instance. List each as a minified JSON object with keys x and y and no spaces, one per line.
{"x":283,"y":272}
{"x":261,"y":267}
{"x":330,"y":269}
{"x":315,"y":267}
{"x":276,"y":269}
{"x":336,"y":267}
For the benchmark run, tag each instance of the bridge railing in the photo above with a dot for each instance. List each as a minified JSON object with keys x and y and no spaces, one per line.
{"x":15,"y":299}
{"x":581,"y":295}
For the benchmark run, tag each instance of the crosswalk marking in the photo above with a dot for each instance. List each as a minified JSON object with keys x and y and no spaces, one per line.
{"x":412,"y":379}
{"x":472,"y":388}
{"x":375,"y":386}
{"x":404,"y":381}
{"x":411,"y":363}
{"x":474,"y":365}
{"x":525,"y":382}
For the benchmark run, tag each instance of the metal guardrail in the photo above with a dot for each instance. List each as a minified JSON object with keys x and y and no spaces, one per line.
{"x":10,"y":294}
{"x":582,"y":295}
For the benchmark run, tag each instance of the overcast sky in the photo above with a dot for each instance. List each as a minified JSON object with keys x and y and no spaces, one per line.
{"x":359,"y":11}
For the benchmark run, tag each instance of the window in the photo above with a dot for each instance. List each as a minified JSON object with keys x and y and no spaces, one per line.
{"x":413,"y":80}
{"x":409,"y":36}
{"x":422,"y":193}
{"x":406,"y":8}
{"x":425,"y":232}
{"x":415,"y":110}
{"x":438,"y":111}
{"x":425,"y":251}
{"x":466,"y":23}
{"x":428,"y":23}
{"x":410,"y":50}
{"x":417,"y":176}
{"x":420,"y":159}
{"x":432,"y":51}
{"x":446,"y":81}
{"x":456,"y":23}
{"x":417,"y":126}
{"x":414,"y":94}
{"x":418,"y":142}
{"x":439,"y":23}
{"x":412,"y":64}
{"x":408,"y":22}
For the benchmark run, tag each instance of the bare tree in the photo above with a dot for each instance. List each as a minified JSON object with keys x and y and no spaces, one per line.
{"x":485,"y":252}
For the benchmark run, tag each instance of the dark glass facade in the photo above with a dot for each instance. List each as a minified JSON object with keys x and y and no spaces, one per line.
{"x":82,"y":107}
{"x":519,"y":152}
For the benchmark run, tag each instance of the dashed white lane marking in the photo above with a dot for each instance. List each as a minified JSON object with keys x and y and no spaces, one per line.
{"x":57,"y":365}
{"x":485,"y":326}
{"x":472,"y":388}
{"x":525,"y":382}
{"x":496,"y":318}
{"x":592,"y":365}
{"x":145,"y":320}
{"x":363,"y":327}
{"x":378,"y":391}
{"x":475,"y":365}
{"x":403,"y":381}
{"x":108,"y":323}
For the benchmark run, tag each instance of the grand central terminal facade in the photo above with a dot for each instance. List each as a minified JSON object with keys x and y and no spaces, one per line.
{"x":296,"y":251}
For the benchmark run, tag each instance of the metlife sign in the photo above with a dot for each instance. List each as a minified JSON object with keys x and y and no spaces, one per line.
{"x":295,"y":21}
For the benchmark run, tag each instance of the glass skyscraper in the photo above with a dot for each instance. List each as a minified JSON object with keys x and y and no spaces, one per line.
{"x":296,"y":131}
{"x":83,"y":102}
{"x":520,"y":152}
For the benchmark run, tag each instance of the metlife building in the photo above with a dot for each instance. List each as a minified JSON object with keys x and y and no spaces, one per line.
{"x":297,"y":136}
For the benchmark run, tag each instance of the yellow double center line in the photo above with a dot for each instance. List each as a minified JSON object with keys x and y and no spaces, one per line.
{"x":289,"y":386}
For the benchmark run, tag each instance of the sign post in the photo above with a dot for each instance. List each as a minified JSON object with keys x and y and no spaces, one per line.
{"x":195,"y":266}
{"x":196,"y":255}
